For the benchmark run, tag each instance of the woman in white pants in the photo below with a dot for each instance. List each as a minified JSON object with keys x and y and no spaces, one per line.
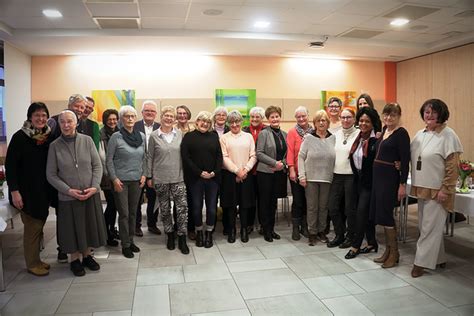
{"x":435,"y":154}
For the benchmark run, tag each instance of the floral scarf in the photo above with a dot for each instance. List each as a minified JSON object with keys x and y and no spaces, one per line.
{"x":302,"y":132}
{"x":38,"y":135}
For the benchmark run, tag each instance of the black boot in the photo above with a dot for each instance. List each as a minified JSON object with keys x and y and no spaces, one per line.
{"x":208,"y":240}
{"x":295,"y":235}
{"x":199,"y":238}
{"x":231,"y":221}
{"x":182,"y":244}
{"x":304,"y":227}
{"x":170,"y":242}
{"x":244,"y":235}
{"x":231,"y":236}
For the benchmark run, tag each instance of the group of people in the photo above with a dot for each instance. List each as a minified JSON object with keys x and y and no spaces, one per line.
{"x":343,"y":168}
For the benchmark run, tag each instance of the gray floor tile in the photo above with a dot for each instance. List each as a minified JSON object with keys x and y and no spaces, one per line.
{"x":402,"y":301}
{"x":326,"y":287}
{"x":207,"y":296}
{"x":164,"y":258}
{"x":298,"y":304}
{"x":237,"y":312}
{"x":113,"y":313}
{"x":359,"y":263}
{"x":59,"y":279}
{"x":304,"y":267}
{"x":151,"y":299}
{"x":256,"y":240}
{"x":206,"y":272}
{"x":255,"y":265}
{"x":207,"y":255}
{"x":95,"y":297}
{"x":156,"y":276}
{"x":278,"y":251}
{"x":346,"y":305}
{"x":151,"y":242}
{"x":330,"y":263}
{"x":33,"y":303}
{"x":232,"y":254}
{"x":449,"y":288}
{"x":111,"y":270}
{"x":464,"y":310}
{"x":266,"y":283}
{"x":375,"y":280}
{"x":4,"y":298}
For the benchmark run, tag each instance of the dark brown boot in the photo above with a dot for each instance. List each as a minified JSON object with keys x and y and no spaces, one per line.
{"x":393,"y":255}
{"x":417,"y":271}
{"x":384,"y":256}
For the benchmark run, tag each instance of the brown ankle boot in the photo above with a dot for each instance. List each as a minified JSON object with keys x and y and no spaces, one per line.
{"x":384,"y":256}
{"x":393,"y":255}
{"x":417,"y":271}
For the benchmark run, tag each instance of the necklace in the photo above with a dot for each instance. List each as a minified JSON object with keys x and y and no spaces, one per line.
{"x":423,"y":147}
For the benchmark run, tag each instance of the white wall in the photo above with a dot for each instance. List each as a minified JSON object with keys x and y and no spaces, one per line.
{"x":17,"y":88}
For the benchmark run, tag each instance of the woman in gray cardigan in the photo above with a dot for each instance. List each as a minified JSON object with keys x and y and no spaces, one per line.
{"x":271,"y":170}
{"x":165,"y":172}
{"x":75,"y":170}
{"x":125,"y":164}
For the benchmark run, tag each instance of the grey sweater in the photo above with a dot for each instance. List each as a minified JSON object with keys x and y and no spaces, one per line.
{"x":124,"y":161}
{"x":316,"y":159}
{"x":163,"y":160}
{"x":74,"y":165}
{"x":266,"y":150}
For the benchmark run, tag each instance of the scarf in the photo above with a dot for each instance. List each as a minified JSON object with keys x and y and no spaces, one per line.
{"x":364,"y":137}
{"x":38,"y":135}
{"x":302,"y":132}
{"x":106,"y":132}
{"x":133,"y":139}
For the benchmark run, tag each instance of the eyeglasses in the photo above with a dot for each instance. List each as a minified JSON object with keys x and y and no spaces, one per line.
{"x":391,"y":115}
{"x":334,"y":106}
{"x":347,"y":117}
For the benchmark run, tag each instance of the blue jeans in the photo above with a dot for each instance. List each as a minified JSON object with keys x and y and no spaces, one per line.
{"x":206,"y":188}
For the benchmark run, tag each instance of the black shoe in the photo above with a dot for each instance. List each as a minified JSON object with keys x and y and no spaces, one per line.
{"x":90,"y":263}
{"x":182,"y":245}
{"x":191,"y":235}
{"x":268,"y":237}
{"x":199,"y":239}
{"x":352,"y":254}
{"x":275,"y":236}
{"x":231,"y":236}
{"x":335,"y":242}
{"x":170,"y":242}
{"x":115,"y":233}
{"x":369,"y":248}
{"x":127,"y":252}
{"x":138,"y":231}
{"x":77,"y":268}
{"x":244,"y":236}
{"x":112,"y":243}
{"x":295,"y":234}
{"x":154,"y":230}
{"x":208,"y":240}
{"x":346,"y":243}
{"x":134,"y":248}
{"x":225,"y":232}
{"x":322,"y":237}
{"x":62,"y":256}
{"x":312,"y":240}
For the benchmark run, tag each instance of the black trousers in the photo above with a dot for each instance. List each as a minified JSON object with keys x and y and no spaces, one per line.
{"x":363,"y":226}
{"x":342,"y":188}
{"x":110,"y":213}
{"x":267,"y":200}
{"x":151,"y":212}
{"x":298,"y":207}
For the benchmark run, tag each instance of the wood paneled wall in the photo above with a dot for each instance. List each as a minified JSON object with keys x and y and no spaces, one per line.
{"x":447,"y":75}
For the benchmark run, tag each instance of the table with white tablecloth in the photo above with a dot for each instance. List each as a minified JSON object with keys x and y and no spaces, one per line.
{"x":463,"y":203}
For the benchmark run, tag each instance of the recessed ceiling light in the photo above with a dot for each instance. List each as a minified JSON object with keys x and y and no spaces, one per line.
{"x":52,"y":13}
{"x":399,"y":22}
{"x":212,"y":12}
{"x":261,"y":24}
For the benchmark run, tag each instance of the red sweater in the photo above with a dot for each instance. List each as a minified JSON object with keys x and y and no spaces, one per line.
{"x":294,"y":140}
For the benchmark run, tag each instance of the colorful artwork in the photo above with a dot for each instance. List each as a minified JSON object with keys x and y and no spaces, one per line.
{"x":237,"y":99}
{"x":348,"y":99}
{"x":110,"y":99}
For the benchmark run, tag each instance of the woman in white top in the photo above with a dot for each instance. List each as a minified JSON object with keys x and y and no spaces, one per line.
{"x":342,"y":184}
{"x":334,"y":111}
{"x":238,"y":152}
{"x":435,"y":154}
{"x":316,"y":164}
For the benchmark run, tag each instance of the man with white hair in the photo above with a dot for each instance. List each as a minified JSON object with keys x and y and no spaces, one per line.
{"x":147,"y":126}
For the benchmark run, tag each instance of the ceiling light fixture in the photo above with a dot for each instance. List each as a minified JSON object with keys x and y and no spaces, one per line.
{"x":52,"y":13}
{"x":318,"y":44}
{"x":399,"y":22}
{"x":261,"y":24}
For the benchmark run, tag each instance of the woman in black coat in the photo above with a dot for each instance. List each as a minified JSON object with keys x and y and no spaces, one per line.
{"x":30,"y":192}
{"x":361,"y":157}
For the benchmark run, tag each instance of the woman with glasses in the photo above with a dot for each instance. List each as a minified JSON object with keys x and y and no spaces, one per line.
{"x":334,"y":112}
{"x":389,"y":182}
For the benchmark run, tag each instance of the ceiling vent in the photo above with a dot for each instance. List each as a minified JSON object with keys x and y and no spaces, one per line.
{"x":318,"y":44}
{"x":360,"y":33}
{"x":410,"y":12}
{"x":118,"y":23}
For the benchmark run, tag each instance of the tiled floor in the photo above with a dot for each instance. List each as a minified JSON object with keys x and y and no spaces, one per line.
{"x":256,"y":278}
